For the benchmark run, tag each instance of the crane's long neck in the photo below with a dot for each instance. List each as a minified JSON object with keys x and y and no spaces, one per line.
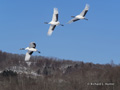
{"x":46,"y":23}
{"x":22,"y":48}
{"x":72,"y":16}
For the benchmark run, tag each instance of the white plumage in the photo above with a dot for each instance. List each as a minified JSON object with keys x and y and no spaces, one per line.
{"x":55,"y":15}
{"x":30,"y":49}
{"x":54,"y":22}
{"x":81,"y":15}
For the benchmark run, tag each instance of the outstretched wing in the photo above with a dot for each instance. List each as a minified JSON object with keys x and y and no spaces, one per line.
{"x":52,"y":27}
{"x":32,"y":45}
{"x":83,"y":13}
{"x":73,"y":20}
{"x":28,"y":55}
{"x":55,"y":15}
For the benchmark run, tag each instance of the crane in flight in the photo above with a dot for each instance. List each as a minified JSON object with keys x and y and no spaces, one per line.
{"x":81,"y":15}
{"x":54,"y":22}
{"x":31,"y":49}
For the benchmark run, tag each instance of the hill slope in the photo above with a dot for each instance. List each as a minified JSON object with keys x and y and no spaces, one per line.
{"x":54,"y":74}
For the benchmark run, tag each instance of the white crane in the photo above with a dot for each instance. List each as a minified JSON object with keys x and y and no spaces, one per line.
{"x":54,"y":22}
{"x":30,"y":49}
{"x":81,"y":15}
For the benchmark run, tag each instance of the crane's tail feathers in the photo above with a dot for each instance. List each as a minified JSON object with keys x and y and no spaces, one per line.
{"x":86,"y":19}
{"x":61,"y":24}
{"x":38,"y":51}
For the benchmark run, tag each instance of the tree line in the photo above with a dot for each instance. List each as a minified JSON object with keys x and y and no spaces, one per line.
{"x":56,"y":74}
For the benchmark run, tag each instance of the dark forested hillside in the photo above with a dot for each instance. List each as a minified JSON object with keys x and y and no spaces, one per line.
{"x":53,"y":74}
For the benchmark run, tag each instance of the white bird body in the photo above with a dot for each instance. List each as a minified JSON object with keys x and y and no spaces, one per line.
{"x":54,"y":22}
{"x":81,"y":15}
{"x":31,"y":49}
